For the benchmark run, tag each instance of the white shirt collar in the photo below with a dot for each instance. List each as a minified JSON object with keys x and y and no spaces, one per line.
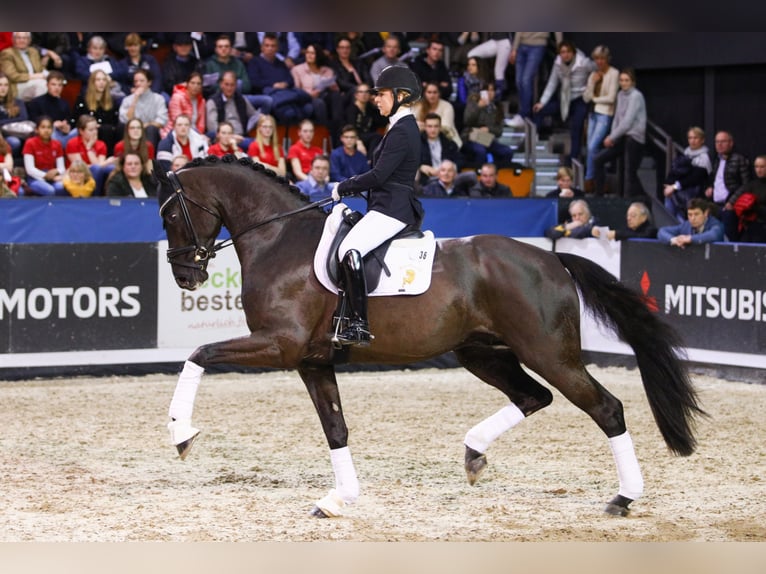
{"x":400,"y":113}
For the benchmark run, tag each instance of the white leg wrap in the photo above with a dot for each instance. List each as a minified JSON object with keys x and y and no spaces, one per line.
{"x":628,"y":471}
{"x":346,"y":481}
{"x":483,"y":434}
{"x":182,"y":405}
{"x":346,"y":489}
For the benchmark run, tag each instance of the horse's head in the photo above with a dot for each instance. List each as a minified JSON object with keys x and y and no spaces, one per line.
{"x":191,"y":223}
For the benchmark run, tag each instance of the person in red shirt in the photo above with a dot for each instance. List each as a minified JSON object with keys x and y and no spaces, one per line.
{"x":303,"y":151}
{"x":44,"y":160}
{"x":266,"y":147}
{"x":135,"y":140}
{"x":225,"y":142}
{"x":87,"y":147}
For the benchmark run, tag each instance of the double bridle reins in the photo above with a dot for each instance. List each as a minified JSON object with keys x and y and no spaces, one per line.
{"x":201,"y":253}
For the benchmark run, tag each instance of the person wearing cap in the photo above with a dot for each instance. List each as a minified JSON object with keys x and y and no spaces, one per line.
{"x":177,"y":67}
{"x":390,"y":189}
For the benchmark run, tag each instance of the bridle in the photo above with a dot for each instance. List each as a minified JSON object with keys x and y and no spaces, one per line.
{"x":201,"y":253}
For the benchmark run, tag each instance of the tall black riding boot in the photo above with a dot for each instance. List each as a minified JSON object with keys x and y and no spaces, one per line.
{"x":355,"y":285}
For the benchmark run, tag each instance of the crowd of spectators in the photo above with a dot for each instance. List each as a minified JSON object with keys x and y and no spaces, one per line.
{"x":284,"y":98}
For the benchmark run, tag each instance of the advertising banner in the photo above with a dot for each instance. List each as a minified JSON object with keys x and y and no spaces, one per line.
{"x":715,"y":294}
{"x":76,"y":297}
{"x":211,"y":313}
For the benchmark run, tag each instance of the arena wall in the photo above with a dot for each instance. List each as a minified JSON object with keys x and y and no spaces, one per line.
{"x":106,"y":297}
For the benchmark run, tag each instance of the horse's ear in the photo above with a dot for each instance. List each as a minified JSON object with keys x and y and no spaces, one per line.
{"x":158,"y":174}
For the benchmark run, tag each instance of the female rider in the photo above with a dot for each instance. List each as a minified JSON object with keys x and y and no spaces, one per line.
{"x":391,"y":201}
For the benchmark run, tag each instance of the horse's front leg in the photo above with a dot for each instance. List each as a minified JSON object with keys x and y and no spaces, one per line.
{"x":323,"y":389}
{"x":250,"y":350}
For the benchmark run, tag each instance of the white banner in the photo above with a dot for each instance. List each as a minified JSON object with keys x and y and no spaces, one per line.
{"x":188,"y":319}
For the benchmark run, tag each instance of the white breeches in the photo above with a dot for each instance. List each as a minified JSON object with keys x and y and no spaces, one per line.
{"x":372,"y":230}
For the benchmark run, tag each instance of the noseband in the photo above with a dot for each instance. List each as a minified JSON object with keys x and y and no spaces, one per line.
{"x":201,"y":253}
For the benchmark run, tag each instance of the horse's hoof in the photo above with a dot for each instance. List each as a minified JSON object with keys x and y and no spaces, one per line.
{"x":317,"y":512}
{"x":182,"y":436}
{"x":185,"y":447}
{"x":475,"y":463}
{"x":618,"y":506}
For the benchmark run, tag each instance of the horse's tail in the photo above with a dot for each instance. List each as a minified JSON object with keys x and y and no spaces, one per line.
{"x":656,"y":344}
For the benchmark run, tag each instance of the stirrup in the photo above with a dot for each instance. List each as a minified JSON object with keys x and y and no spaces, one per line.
{"x":355,"y":334}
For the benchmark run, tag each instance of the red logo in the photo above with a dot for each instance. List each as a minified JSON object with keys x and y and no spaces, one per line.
{"x":651,"y":302}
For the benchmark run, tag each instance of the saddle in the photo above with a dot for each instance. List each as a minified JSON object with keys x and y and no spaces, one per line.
{"x":399,"y":266}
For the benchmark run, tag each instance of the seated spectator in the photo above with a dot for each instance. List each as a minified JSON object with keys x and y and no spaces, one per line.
{"x":6,"y":156}
{"x":136,"y":59}
{"x":223,"y":61}
{"x":56,"y":47}
{"x":432,"y":103}
{"x":135,"y":141}
{"x":366,"y":118}
{"x":180,"y":64}
{"x":178,"y":162}
{"x":270,"y":76}
{"x":565,"y":189}
{"x":688,"y":174}
{"x":78,"y":180}
{"x":730,"y":170}
{"x":443,"y":185}
{"x":225,"y":142}
{"x":317,"y":184}
{"x":346,"y":160}
{"x":131,"y":179}
{"x":350,"y":73}
{"x":266,"y":147}
{"x":228,"y":105}
{"x":44,"y":161}
{"x":145,"y":105}
{"x":579,"y":224}
{"x":639,"y":224}
{"x":25,"y":67}
{"x":482,"y":126}
{"x":699,"y":227}
{"x":96,"y":58}
{"x":744,"y":224}
{"x":187,"y":99}
{"x":182,"y":140}
{"x":391,"y":51}
{"x":487,"y":185}
{"x":302,"y":152}
{"x":86,"y":147}
{"x":470,"y":82}
{"x":53,"y":105}
{"x":435,"y":146}
{"x":12,"y":110}
{"x":97,"y":101}
{"x":431,"y":69}
{"x":317,"y":79}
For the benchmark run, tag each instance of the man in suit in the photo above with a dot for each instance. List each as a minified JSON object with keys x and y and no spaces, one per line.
{"x":25,"y":66}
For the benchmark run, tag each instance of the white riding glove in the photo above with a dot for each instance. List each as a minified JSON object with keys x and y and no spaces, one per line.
{"x":335,"y":194}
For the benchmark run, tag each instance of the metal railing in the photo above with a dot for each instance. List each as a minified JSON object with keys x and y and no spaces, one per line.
{"x":530,"y":151}
{"x":664,"y":142}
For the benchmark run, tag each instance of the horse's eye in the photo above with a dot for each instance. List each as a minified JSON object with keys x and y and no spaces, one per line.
{"x":172,"y":217}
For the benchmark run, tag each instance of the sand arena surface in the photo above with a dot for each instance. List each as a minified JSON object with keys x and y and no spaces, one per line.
{"x":88,"y":459}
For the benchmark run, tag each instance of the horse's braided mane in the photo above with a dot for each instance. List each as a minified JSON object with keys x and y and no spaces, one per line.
{"x":248,"y":162}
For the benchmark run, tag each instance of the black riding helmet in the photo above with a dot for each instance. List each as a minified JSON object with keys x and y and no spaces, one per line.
{"x":399,"y":77}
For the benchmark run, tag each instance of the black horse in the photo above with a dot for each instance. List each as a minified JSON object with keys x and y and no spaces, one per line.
{"x":496,"y":303}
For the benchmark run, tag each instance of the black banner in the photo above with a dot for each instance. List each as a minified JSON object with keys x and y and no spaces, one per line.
{"x":714,"y":294}
{"x":77,"y":297}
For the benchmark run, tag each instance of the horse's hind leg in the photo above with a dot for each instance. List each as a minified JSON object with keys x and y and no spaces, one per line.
{"x":323,"y":388}
{"x":499,"y":367}
{"x":585,"y":392}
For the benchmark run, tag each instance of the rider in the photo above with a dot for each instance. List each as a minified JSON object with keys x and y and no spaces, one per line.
{"x":391,"y":201}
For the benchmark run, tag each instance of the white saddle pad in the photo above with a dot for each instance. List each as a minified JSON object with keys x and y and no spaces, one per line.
{"x":408,"y":260}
